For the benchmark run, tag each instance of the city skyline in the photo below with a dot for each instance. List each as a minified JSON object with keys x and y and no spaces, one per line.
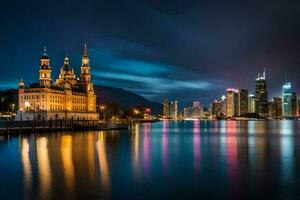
{"x":186,"y":50}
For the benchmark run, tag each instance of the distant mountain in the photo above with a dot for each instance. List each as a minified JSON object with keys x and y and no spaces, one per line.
{"x":125,"y":99}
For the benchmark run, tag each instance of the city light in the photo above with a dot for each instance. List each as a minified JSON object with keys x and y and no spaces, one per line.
{"x":136,"y":111}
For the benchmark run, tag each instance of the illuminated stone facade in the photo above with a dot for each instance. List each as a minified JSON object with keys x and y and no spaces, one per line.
{"x":66,"y":98}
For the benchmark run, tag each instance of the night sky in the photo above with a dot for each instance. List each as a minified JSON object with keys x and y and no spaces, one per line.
{"x":184,"y":50}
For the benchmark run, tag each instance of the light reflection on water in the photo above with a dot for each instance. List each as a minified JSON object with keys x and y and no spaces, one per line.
{"x":26,"y":165}
{"x":216,"y":159}
{"x":44,"y":170}
{"x":67,"y":162}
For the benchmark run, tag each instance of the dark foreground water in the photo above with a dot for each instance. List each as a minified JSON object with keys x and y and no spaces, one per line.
{"x":165,"y":160}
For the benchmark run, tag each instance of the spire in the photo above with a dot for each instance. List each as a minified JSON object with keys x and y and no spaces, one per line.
{"x":85,"y":54}
{"x":66,"y":56}
{"x":286,"y":79}
{"x":45,"y":56}
{"x":264,"y":74}
{"x":66,"y":60}
{"x":85,"y":58}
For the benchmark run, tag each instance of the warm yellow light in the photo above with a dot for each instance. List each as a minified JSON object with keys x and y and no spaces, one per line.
{"x":27,"y":104}
{"x":136,"y":111}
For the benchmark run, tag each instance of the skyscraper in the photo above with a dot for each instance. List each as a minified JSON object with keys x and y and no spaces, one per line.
{"x":166,"y":109}
{"x":232,"y":102}
{"x":223,"y":105}
{"x":287,"y":97}
{"x":294,"y":105}
{"x":197,"y":111}
{"x":270,"y":109}
{"x":277,"y":108}
{"x":243,"y":102}
{"x":251,"y":103}
{"x":215,"y":109}
{"x":187,"y":112}
{"x":170,"y":109}
{"x":261,"y":95}
{"x":173,"y":109}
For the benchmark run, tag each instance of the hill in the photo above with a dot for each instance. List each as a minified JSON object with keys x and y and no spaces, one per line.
{"x":127,"y":100}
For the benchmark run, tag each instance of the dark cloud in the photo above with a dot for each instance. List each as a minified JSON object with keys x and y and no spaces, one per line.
{"x":185,"y":50}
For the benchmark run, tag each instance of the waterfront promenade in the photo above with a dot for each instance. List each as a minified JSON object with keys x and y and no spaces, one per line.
{"x":39,"y":126}
{"x":16,"y":127}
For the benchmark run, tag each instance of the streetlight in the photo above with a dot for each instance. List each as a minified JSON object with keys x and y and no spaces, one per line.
{"x":136,"y":112}
{"x":102,"y":109}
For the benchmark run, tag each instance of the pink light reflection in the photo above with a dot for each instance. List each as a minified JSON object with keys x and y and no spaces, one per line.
{"x":196,"y":146}
{"x":231,"y":152}
{"x":146,"y":149}
{"x":165,"y":146}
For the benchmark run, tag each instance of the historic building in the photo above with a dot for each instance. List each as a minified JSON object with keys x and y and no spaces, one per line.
{"x":66,"y":98}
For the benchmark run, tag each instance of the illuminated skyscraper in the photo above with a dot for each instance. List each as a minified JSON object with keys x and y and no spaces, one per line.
{"x":287,"y":97}
{"x":276,"y":108}
{"x":215,"y":109}
{"x":166,"y":109}
{"x":197,"y":111}
{"x":170,"y":109}
{"x":243,"y":102}
{"x":232,"y":102}
{"x":251,"y":103}
{"x":294,"y":105}
{"x":173,"y":109}
{"x":270,"y":109}
{"x":187,"y":112}
{"x":261,"y":95}
{"x":223,"y":105}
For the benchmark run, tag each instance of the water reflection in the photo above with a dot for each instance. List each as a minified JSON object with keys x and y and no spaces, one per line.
{"x":135,"y":147}
{"x":165,"y":146}
{"x":231,"y":152}
{"x":27,"y":175}
{"x":44,"y":169}
{"x":233,"y":158}
{"x":287,"y":150}
{"x":91,"y":157}
{"x":196,"y":146}
{"x":67,"y":161}
{"x":146,"y":149}
{"x":103,"y":164}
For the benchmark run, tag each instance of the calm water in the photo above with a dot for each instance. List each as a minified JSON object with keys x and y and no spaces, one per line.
{"x":178,"y":160}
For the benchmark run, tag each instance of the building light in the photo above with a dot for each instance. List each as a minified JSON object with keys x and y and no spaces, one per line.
{"x":27,"y":104}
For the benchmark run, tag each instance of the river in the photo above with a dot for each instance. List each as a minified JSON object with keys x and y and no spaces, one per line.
{"x":163,"y":160}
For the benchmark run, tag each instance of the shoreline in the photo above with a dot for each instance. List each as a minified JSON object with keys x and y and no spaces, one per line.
{"x":26,"y":127}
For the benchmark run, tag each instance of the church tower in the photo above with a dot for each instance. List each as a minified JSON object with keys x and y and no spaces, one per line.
{"x":45,"y":70}
{"x":85,"y":80}
{"x":85,"y":76}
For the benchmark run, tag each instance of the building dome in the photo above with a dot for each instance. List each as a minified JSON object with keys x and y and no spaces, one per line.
{"x":67,"y":74}
{"x":45,"y":61}
{"x":21,"y":84}
{"x":66,"y":66}
{"x":45,"y":56}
